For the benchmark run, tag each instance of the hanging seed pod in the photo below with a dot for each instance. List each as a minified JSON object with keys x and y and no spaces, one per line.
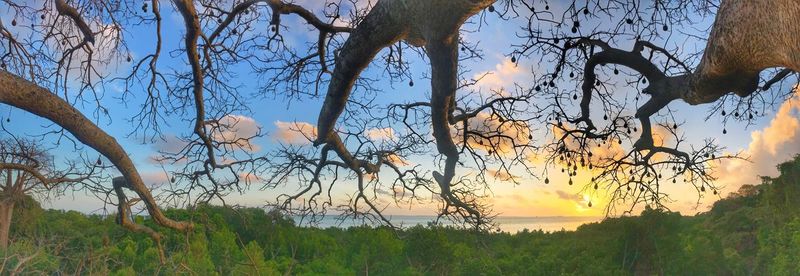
{"x":546,"y":180}
{"x":585,"y":10}
{"x":491,"y":8}
{"x":724,"y":113}
{"x":596,"y":186}
{"x":13,"y":22}
{"x":570,"y":181}
{"x":724,"y":131}
{"x":172,"y":180}
{"x":590,"y":204}
{"x":665,"y":28}
{"x":513,"y":59}
{"x":605,"y":117}
{"x":411,"y":83}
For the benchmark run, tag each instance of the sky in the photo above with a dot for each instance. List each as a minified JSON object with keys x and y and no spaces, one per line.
{"x":770,"y":140}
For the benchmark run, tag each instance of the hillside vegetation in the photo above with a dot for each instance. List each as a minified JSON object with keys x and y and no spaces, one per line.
{"x":754,"y":231}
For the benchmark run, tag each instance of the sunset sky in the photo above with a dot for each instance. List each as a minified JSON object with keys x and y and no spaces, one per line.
{"x":772,"y":139}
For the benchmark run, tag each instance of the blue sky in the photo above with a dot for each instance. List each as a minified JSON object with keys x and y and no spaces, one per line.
{"x":772,"y":138}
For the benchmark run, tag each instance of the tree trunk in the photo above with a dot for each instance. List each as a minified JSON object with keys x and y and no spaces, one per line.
{"x":6,"y":210}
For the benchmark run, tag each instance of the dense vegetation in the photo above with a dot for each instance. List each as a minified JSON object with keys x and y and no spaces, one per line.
{"x":754,"y":231}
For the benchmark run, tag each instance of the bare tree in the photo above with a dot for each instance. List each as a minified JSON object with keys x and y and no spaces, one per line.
{"x":490,"y":135}
{"x":731,"y":62}
{"x":28,"y":170}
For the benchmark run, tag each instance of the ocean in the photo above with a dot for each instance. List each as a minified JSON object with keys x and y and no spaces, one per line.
{"x":505,"y":224}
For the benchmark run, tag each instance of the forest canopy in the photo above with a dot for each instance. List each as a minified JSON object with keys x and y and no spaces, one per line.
{"x":753,"y":231}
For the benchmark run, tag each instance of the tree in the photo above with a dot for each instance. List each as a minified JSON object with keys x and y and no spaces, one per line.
{"x":28,"y":170}
{"x":78,"y":39}
{"x":731,"y":63}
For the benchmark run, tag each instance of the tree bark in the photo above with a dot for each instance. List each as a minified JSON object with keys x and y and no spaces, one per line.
{"x":28,"y":96}
{"x":6,"y":211}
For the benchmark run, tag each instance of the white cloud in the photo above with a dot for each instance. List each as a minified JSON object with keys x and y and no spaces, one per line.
{"x":239,"y":131}
{"x":502,"y":77}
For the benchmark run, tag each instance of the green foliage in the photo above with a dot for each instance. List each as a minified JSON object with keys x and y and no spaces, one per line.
{"x":755,"y":231}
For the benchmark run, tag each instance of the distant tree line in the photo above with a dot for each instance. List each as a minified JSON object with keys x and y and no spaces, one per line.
{"x":755,"y":231}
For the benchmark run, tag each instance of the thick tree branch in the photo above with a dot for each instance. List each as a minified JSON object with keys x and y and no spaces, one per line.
{"x":66,"y":10}
{"x":25,"y":95}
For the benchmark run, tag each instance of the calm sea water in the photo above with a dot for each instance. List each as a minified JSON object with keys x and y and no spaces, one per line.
{"x":506,"y":224}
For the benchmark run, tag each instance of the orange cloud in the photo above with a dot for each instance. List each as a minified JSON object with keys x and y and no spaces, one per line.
{"x":295,"y":133}
{"x":777,"y":142}
{"x":502,"y":175}
{"x":500,"y":135}
{"x":248,"y":177}
{"x":603,"y":153}
{"x":381,"y":134}
{"x":398,"y":161}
